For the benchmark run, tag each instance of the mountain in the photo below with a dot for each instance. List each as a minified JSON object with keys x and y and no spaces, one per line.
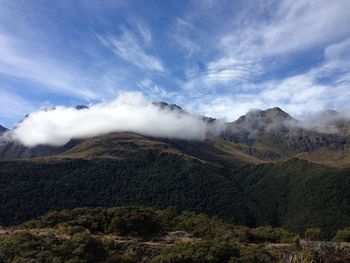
{"x":3,"y":129}
{"x":172,"y":107}
{"x":257,"y":137}
{"x":266,"y":168}
{"x":295,"y":194}
{"x":274,"y":135}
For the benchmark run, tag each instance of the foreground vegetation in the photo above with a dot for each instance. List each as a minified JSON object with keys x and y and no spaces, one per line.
{"x":139,"y":234}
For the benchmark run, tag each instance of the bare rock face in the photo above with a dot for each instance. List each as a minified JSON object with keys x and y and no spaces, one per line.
{"x":278,"y":134}
{"x":172,"y":107}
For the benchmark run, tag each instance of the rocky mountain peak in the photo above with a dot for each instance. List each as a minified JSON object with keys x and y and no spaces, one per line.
{"x":3,"y":129}
{"x":276,"y":112}
{"x":81,"y":107}
{"x":260,"y":119}
{"x":164,"y":105}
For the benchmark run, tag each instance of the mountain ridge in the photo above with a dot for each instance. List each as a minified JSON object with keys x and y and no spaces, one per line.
{"x":258,"y":136}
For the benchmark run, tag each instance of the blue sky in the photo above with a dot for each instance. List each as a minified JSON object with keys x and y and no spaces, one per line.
{"x":217,"y":58}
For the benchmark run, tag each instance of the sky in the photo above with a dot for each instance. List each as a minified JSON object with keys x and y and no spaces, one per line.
{"x":215,"y":58}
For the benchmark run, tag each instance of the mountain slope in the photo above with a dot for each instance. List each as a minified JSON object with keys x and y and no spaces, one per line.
{"x":295,"y":194}
{"x":298,"y":194}
{"x":124,"y":145}
{"x":32,"y":187}
{"x":274,"y":135}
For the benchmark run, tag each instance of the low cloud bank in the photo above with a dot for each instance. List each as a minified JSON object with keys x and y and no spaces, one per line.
{"x":328,"y":121}
{"x":130,"y":112}
{"x":276,"y":120}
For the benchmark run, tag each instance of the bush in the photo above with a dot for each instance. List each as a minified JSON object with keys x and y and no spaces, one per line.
{"x":312,"y":234}
{"x":119,"y":259}
{"x":342,"y":235}
{"x":83,"y":247}
{"x":270,"y":234}
{"x":202,"y":252}
{"x":253,"y":254}
{"x":21,"y":246}
{"x":203,"y":226}
{"x":135,"y":221}
{"x":26,"y":247}
{"x":72,"y":230}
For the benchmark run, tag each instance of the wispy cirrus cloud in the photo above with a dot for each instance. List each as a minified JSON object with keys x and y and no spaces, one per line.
{"x":153,"y":90}
{"x":48,"y":73}
{"x":14,"y":106}
{"x":129,"y":47}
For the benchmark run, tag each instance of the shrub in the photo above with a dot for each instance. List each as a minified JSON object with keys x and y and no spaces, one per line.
{"x":119,"y":259}
{"x":253,"y":254}
{"x":202,"y":252}
{"x":26,"y":247}
{"x":135,"y":221}
{"x":84,"y":247}
{"x":342,"y":235}
{"x":312,"y":234}
{"x":270,"y":234}
{"x":72,"y":230}
{"x":22,"y":245}
{"x":201,"y":225}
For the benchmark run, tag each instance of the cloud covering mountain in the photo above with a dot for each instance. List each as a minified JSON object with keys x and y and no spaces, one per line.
{"x":129,"y":112}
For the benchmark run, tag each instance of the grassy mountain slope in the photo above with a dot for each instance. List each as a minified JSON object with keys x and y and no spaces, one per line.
{"x":126,"y":145}
{"x":328,"y":156}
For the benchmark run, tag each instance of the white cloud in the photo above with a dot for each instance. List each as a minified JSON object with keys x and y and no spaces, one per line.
{"x":128,"y":47}
{"x":299,"y":95}
{"x":145,"y":33}
{"x":180,"y":34}
{"x":129,"y":112}
{"x":238,"y":71}
{"x":299,"y":24}
{"x":291,"y":26}
{"x":339,"y":51}
{"x":152,"y":90}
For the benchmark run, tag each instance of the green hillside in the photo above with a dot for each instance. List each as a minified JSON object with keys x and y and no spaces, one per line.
{"x":295,"y":194}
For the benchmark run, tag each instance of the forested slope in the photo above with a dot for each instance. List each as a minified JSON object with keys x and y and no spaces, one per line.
{"x":295,"y":194}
